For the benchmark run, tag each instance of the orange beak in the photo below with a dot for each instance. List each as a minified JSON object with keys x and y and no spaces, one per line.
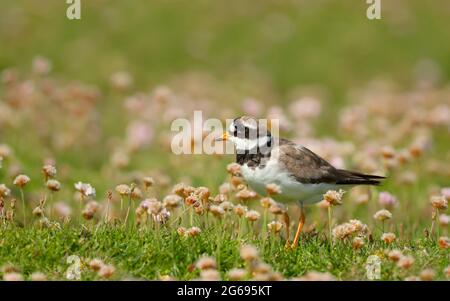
{"x":224,"y":137}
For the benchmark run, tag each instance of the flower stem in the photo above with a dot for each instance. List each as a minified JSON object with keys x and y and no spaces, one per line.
{"x":329,"y":225}
{"x":23,"y":207}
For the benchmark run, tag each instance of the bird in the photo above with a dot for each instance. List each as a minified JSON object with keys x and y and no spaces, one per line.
{"x":303,"y":176}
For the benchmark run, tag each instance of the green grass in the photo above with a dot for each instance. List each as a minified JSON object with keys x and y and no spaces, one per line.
{"x":222,"y":52}
{"x":142,"y":254}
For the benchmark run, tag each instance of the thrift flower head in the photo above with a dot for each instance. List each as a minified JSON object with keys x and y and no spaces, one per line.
{"x":334,"y":197}
{"x":395,"y":255}
{"x":181,"y":231}
{"x":273,"y":189}
{"x":123,"y":190}
{"x":246,"y":195}
{"x":388,"y":237}
{"x":49,"y":171}
{"x":252,"y":215}
{"x":193,"y":231}
{"x":267,"y":202}
{"x":209,"y":275}
{"x":206,"y":263}
{"x":85,"y":189}
{"x":38,"y":276}
{"x":172,"y":201}
{"x":275,"y":226}
{"x":236,"y":274}
{"x":277,"y":208}
{"x":21,"y":180}
{"x":427,"y":275}
{"x":234,"y":169}
{"x":382,"y":215}
{"x":96,"y":264}
{"x":357,"y":243}
{"x":13,"y":276}
{"x":240,"y":210}
{"x":4,"y":191}
{"x":444,"y":242}
{"x":387,"y":200}
{"x":248,"y":253}
{"x":53,"y":185}
{"x":148,"y":182}
{"x":217,"y":211}
{"x":106,"y":271}
{"x":405,"y":262}
{"x":446,"y":192}
{"x":439,"y":202}
{"x":220,"y":198}
{"x":444,"y":220}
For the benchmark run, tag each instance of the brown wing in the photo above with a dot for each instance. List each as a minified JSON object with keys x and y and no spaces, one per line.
{"x":307,"y":167}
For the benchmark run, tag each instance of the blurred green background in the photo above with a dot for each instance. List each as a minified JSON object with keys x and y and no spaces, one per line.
{"x":266,"y":49}
{"x":292,"y":43}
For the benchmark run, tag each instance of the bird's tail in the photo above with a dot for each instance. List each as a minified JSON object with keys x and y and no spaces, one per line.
{"x":356,"y":178}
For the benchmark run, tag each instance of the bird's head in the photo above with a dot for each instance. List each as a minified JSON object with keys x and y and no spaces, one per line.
{"x":248,"y":133}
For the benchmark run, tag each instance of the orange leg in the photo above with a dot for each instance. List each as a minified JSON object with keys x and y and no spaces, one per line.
{"x":301,"y":222}
{"x":287,"y":225}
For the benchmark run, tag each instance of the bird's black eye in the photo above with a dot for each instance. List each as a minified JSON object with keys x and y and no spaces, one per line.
{"x":235,"y":132}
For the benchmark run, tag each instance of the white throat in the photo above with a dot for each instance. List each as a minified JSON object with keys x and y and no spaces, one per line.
{"x":243,"y":144}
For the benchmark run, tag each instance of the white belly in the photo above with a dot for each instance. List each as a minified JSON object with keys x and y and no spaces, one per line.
{"x":291,"y":190}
